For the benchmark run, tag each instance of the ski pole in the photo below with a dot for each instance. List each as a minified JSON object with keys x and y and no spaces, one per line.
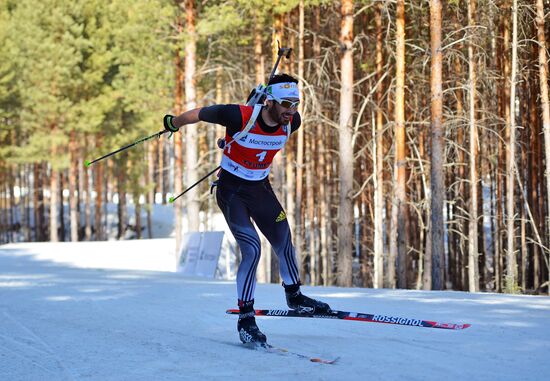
{"x":87,"y":163}
{"x":172,"y":199}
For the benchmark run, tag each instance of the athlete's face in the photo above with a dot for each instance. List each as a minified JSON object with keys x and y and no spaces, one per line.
{"x":281,"y":111}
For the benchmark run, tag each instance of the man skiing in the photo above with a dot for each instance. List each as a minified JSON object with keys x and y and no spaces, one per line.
{"x":253,"y":136}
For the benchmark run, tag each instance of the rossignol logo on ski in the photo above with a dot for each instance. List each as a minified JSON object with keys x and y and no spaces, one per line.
{"x":397,"y":320}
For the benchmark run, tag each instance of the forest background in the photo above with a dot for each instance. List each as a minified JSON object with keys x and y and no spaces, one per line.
{"x":422,"y":160}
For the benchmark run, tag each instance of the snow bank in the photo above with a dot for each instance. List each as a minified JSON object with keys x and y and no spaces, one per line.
{"x":144,"y":254}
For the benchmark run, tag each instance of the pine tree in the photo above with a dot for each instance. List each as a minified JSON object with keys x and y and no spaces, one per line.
{"x":345,"y":226}
{"x":437,"y":181}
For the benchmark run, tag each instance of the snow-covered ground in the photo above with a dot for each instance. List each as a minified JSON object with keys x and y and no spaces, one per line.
{"x":78,"y":318}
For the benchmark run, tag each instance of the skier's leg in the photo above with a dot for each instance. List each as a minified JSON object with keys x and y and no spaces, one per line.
{"x":271,"y":220}
{"x":237,"y":216}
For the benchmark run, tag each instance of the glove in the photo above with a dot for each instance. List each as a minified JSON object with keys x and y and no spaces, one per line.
{"x":168,"y":123}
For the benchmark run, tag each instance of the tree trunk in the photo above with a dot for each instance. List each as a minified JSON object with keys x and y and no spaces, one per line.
{"x":54,"y":196}
{"x":437,"y":183}
{"x":533,"y":182}
{"x":259,"y":60}
{"x":473,"y":269}
{"x":504,"y":114}
{"x":87,"y":204}
{"x":61,"y":207}
{"x":54,"y":207}
{"x":378,"y":157}
{"x":327,"y":236}
{"x":25,"y":204}
{"x":178,"y":146}
{"x":4,"y":228}
{"x":98,"y":185}
{"x":310,"y":227}
{"x":545,"y":104}
{"x":511,"y":262}
{"x":137,"y":212}
{"x":41,"y":218}
{"x":481,"y":259}
{"x":299,"y":233}
{"x":523,"y":259}
{"x":492,"y":174}
{"x":161,"y":172}
{"x":457,"y":253}
{"x":122,"y":205}
{"x":345,"y":164}
{"x":10,"y":172}
{"x":191,"y":134}
{"x":325,"y":232}
{"x":398,"y":239}
{"x":73,"y":190}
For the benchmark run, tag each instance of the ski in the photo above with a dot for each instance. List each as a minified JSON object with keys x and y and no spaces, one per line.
{"x":357,"y":316}
{"x":268,"y":348}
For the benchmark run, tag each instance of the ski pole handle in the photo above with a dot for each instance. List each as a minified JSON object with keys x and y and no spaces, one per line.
{"x":282,"y":52}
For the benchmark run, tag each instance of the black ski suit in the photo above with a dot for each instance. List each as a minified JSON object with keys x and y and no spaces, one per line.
{"x":243,"y":201}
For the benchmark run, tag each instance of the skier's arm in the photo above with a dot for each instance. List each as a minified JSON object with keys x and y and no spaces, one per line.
{"x":173,"y":123}
{"x":226,"y":115}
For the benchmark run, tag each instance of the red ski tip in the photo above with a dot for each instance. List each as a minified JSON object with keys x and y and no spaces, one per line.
{"x":321,"y":361}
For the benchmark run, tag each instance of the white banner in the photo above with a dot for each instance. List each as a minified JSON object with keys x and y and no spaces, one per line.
{"x":199,"y":253}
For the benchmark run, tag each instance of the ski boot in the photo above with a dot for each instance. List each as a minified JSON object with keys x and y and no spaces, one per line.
{"x":303,"y":304}
{"x":249,"y":333}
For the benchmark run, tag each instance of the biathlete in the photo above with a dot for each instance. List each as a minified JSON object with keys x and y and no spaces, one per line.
{"x":254,"y":135}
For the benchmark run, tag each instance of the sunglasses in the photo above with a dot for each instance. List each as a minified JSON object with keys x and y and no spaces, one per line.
{"x":286,"y":103}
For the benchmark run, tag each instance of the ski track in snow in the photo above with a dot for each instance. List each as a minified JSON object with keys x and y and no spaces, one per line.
{"x":62,"y":319}
{"x":21,"y":346}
